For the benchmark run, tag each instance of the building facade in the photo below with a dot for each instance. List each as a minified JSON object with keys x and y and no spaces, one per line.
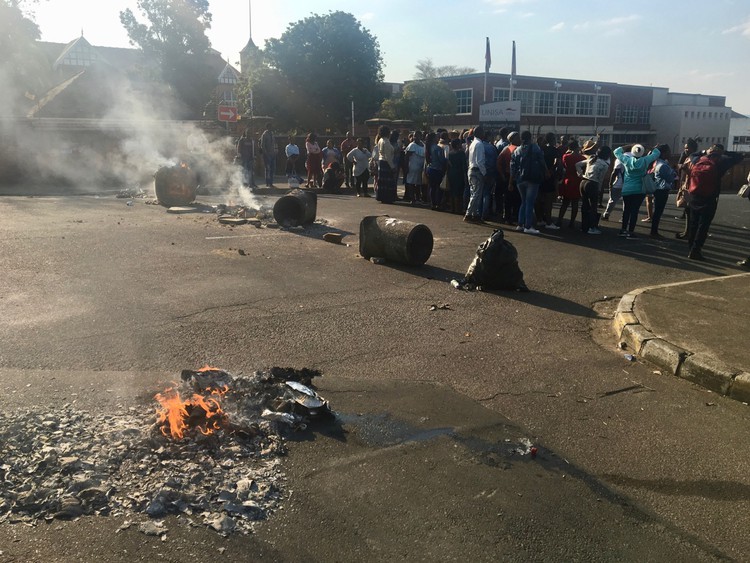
{"x":620,"y":113}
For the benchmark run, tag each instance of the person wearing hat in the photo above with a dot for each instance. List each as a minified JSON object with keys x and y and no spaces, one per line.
{"x":635,"y":165}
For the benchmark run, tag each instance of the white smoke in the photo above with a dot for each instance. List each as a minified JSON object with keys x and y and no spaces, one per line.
{"x":122,"y":149}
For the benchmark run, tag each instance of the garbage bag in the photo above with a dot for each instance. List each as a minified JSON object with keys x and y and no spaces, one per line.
{"x":495,"y":265}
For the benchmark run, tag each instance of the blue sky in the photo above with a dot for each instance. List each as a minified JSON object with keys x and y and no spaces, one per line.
{"x":688,"y":46}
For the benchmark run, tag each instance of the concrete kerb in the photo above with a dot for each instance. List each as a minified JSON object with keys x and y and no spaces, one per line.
{"x":701,"y":369}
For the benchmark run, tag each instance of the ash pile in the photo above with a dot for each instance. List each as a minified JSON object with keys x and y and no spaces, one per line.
{"x":209,"y":454}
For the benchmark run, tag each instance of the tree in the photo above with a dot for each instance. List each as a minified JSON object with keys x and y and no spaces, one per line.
{"x":23,"y":68}
{"x":426,"y":70}
{"x":324,"y":63}
{"x":176,"y":40}
{"x":420,"y":101}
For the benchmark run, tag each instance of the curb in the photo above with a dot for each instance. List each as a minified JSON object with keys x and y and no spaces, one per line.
{"x":702,"y":369}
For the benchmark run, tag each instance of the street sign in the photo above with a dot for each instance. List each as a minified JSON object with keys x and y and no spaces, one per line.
{"x":227,"y":113}
{"x":504,"y":112}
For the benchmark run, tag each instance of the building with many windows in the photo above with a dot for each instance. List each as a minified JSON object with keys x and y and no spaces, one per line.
{"x":739,"y":133}
{"x":621,"y":113}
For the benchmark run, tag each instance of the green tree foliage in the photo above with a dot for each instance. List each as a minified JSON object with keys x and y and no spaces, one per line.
{"x":316,"y":69}
{"x":419,"y":101}
{"x":426,"y":69}
{"x":23,"y":68}
{"x":175,"y":37}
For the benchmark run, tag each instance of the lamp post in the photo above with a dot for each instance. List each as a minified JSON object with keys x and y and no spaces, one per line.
{"x":558,"y":85}
{"x":596,"y":104}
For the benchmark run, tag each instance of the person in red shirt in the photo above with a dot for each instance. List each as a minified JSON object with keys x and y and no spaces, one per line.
{"x":570,"y":189}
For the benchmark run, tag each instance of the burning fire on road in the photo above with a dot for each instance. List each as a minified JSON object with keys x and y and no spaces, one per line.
{"x":210,"y":455}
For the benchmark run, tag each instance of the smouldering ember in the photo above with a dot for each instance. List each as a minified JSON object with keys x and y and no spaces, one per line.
{"x":69,"y":463}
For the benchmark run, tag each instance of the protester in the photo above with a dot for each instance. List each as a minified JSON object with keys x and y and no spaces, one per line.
{"x":615,"y":186}
{"x":510,"y":196}
{"x":246,"y":154}
{"x":359,"y":159}
{"x":683,"y":163}
{"x":548,"y":188}
{"x":706,"y":170}
{"x":527,"y":171}
{"x":268,"y":149}
{"x":313,"y":161}
{"x":386,"y":189}
{"x":347,"y":145}
{"x":457,"y":176}
{"x":746,"y":262}
{"x":331,"y":154}
{"x":571,"y":184}
{"x":415,"y":157}
{"x":292,"y":158}
{"x":477,"y":171}
{"x":436,"y":164}
{"x":664,"y":178}
{"x":635,"y":165}
{"x":593,"y":172}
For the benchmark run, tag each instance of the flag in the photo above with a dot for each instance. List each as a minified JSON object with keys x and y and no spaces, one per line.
{"x":513,"y":63}
{"x":487,"y":57}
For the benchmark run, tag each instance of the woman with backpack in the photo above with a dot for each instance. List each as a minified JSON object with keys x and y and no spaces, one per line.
{"x":527,"y":171}
{"x":635,"y":164}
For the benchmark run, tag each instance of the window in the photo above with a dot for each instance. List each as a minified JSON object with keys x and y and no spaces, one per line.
{"x":228,"y":96}
{"x":629,"y":114}
{"x":585,"y":104}
{"x":692,"y":115}
{"x":464,"y":100}
{"x":500,"y":94}
{"x":686,"y":114}
{"x":566,"y":104}
{"x":644,"y":115}
{"x":602,"y":106}
{"x":741,"y":140}
{"x":544,"y":103}
{"x":527,"y":100}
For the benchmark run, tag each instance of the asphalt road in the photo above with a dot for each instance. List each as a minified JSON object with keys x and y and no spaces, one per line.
{"x":112,"y":300}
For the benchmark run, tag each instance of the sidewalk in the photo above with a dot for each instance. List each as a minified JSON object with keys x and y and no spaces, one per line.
{"x":696,"y":330}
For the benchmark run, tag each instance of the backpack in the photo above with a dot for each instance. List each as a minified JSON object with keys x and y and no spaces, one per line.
{"x":704,"y":177}
{"x":531,"y":163}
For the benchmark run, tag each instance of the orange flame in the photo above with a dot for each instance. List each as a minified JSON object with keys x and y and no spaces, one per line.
{"x":176,"y":417}
{"x":208,"y":368}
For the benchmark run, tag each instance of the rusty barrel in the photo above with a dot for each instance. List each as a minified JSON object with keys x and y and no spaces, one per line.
{"x":393,"y":239}
{"x":296,"y":208}
{"x":175,"y":185}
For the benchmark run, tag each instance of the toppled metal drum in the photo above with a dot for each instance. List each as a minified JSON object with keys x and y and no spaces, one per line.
{"x":393,"y":239}
{"x":296,"y":208}
{"x":175,"y":185}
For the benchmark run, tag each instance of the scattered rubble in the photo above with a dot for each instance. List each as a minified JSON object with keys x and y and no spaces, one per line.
{"x":66,"y":463}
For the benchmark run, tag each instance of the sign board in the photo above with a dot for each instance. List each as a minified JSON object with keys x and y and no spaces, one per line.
{"x":227,"y":113}
{"x":500,"y":112}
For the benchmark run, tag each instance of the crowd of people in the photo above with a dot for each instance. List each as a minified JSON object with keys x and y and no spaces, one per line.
{"x":513,"y":179}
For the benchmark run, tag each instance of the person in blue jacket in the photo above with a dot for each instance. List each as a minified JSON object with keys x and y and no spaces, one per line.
{"x":636,"y":163}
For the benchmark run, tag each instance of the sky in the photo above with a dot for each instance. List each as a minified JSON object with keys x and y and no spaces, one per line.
{"x":689,"y":46}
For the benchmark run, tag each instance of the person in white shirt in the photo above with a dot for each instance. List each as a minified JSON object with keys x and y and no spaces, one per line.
{"x":360,"y":158}
{"x":292,"y":158}
{"x":477,"y":172}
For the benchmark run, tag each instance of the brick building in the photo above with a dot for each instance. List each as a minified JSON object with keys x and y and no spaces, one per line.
{"x":622,"y":113}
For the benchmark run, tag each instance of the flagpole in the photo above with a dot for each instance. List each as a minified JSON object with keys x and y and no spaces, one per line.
{"x":513,"y":71}
{"x":487,"y":63}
